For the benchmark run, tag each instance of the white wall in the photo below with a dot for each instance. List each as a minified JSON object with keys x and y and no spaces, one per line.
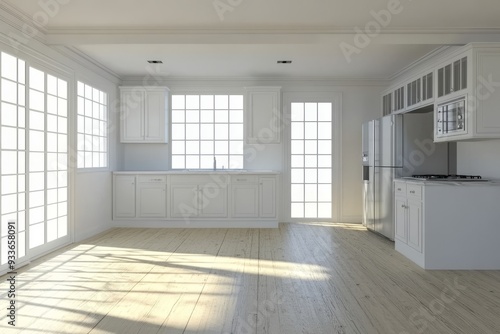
{"x":360,"y":103}
{"x":479,"y":158}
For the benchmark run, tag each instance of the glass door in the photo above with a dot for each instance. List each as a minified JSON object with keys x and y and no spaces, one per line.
{"x":311,"y":160}
{"x":34,"y":160}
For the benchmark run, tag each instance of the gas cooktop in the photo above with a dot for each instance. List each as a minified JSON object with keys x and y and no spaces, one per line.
{"x":447,"y":177}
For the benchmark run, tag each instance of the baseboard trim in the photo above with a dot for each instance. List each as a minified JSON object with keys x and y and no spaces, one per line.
{"x":197,"y":223}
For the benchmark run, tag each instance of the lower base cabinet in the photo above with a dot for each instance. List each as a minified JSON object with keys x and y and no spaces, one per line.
{"x":197,"y":197}
{"x":124,"y":196}
{"x":152,"y":197}
{"x":219,"y":197}
{"x":253,"y":197}
{"x":245,"y":196}
{"x":448,"y":225}
{"x":267,"y":196}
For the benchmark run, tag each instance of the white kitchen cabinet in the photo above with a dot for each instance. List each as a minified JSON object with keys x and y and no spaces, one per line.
{"x":419,"y":91}
{"x":414,"y":208}
{"x":448,"y":225}
{"x":408,"y":215}
{"x":401,"y":221}
{"x":245,"y":196}
{"x":452,"y":76}
{"x":267,"y":197}
{"x":184,"y":199}
{"x":151,"y":196}
{"x":144,"y":114}
{"x":195,"y":199}
{"x":213,"y":201}
{"x":398,"y":104}
{"x":263,"y":115}
{"x":470,"y":77}
{"x":124,"y":196}
{"x":198,"y":197}
{"x":387,"y":104}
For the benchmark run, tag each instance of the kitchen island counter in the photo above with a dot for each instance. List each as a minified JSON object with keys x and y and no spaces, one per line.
{"x":447,"y":225}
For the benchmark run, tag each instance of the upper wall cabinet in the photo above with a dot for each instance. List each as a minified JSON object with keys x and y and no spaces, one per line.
{"x":263,"y":115}
{"x":468,"y":102}
{"x":452,"y":76}
{"x":144,"y":112}
{"x":419,"y":91}
{"x":387,"y":104}
{"x":399,"y":100}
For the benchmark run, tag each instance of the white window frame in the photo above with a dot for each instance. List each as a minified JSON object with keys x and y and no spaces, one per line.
{"x":201,"y":92}
{"x":77,"y":128}
{"x":59,"y":73}
{"x":320,"y":96}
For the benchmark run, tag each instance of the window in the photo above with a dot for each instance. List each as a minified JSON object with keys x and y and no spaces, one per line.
{"x":207,"y":127}
{"x":34,"y":156}
{"x":92,"y":127}
{"x":311,"y":160}
{"x":13,"y":152}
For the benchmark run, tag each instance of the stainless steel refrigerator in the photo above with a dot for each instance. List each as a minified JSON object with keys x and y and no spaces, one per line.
{"x":396,"y":146}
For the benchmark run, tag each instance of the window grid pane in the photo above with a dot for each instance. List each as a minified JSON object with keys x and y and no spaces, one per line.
{"x":13,"y":152}
{"x":205,"y":127}
{"x":92,"y":138}
{"x":310,"y":160}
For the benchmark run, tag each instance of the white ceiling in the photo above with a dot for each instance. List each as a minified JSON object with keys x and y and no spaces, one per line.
{"x":193,"y":40}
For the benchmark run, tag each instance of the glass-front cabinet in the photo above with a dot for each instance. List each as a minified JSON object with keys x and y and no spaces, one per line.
{"x":452,"y":77}
{"x":419,"y":91}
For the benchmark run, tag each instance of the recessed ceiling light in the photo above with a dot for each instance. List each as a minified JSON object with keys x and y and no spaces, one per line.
{"x":155,"y":62}
{"x":284,"y":61}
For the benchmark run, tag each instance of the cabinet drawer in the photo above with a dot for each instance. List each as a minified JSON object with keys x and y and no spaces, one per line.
{"x":152,"y":178}
{"x":244,"y":179}
{"x":400,"y":189}
{"x":414,"y":190}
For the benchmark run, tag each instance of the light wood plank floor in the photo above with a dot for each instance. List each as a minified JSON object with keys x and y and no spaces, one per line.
{"x":300,"y":278}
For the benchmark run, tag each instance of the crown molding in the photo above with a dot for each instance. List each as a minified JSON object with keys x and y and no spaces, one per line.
{"x":228,"y":81}
{"x":84,"y":60}
{"x":20,"y":20}
{"x":265,"y":30}
{"x":438,"y":52}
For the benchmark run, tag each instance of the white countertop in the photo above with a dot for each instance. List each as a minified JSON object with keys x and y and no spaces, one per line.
{"x":200,"y":172}
{"x":449,"y":183}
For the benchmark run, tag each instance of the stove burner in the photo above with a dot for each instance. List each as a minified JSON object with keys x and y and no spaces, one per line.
{"x":445,"y":176}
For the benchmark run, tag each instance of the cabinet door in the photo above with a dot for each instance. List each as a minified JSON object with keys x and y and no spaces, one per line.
{"x":263,"y":114}
{"x":124,"y":196}
{"x":387,"y":104}
{"x":245,"y":200}
{"x":132,"y":116}
{"x":427,"y":87}
{"x":401,"y":220}
{"x":267,"y":197}
{"x":213,"y":201}
{"x":415,"y":224}
{"x":452,"y":77}
{"x":155,"y":117}
{"x":399,"y":99}
{"x":152,"y":200}
{"x":184,"y":201}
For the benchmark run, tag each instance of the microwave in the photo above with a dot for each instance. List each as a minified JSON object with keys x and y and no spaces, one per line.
{"x":451,"y":117}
